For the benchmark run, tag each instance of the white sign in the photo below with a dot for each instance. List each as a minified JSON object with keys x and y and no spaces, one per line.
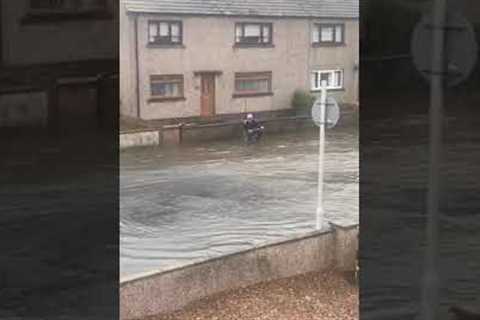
{"x":461,"y":48}
{"x":332,"y":113}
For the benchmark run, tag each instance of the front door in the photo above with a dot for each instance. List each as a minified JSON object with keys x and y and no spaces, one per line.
{"x":77,"y":107}
{"x":207,"y":98}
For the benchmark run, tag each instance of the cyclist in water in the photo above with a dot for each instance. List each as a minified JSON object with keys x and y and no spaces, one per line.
{"x":253,"y":128}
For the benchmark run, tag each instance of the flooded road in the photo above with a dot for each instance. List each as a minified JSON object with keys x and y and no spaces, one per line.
{"x":187,"y":204}
{"x":394,"y":168}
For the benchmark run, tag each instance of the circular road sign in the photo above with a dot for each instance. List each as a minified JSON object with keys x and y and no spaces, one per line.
{"x":332,"y":114}
{"x":460,"y":44}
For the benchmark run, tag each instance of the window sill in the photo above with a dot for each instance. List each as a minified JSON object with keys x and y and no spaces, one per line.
{"x":328,"y":45}
{"x":329,"y":90}
{"x":165,"y":46}
{"x":166,"y":99}
{"x":46,"y":18}
{"x":252,"y":45}
{"x":248,"y":95}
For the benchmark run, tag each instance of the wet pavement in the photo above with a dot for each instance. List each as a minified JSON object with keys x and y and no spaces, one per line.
{"x":191,"y":203}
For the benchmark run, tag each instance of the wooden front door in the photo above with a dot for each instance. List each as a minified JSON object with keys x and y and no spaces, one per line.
{"x":207,"y":97}
{"x":77,"y":107}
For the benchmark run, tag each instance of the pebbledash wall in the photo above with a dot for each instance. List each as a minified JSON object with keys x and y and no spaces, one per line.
{"x":81,"y":40}
{"x":208,"y":44}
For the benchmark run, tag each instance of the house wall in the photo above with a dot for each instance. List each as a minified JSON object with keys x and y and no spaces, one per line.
{"x":346,"y":58}
{"x":81,"y":39}
{"x":128,"y":81}
{"x":32,"y":59}
{"x":209,"y":45}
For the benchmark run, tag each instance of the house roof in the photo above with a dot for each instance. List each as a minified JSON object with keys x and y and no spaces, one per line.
{"x":273,"y":8}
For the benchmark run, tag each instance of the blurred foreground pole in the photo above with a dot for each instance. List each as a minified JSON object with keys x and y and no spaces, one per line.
{"x":438,"y":72}
{"x":321,"y":153}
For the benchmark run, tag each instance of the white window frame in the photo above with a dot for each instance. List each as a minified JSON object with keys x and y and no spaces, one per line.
{"x":316,"y":84}
{"x":338,"y":30}
{"x":154,"y":31}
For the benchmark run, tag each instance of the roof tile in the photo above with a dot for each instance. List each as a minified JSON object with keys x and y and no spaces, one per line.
{"x":275,"y":8}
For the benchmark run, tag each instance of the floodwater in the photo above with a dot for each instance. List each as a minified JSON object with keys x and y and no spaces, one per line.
{"x":187,"y":204}
{"x":394,"y":166}
{"x":196,"y":202}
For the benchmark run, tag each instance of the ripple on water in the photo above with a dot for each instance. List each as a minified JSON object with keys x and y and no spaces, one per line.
{"x":202,"y":202}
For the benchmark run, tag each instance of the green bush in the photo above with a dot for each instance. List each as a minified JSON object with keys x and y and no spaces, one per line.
{"x":302,"y":100}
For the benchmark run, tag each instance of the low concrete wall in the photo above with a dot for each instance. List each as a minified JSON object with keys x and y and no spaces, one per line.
{"x":346,"y":244}
{"x":228,"y":130}
{"x":23,"y":109}
{"x":228,"y":127}
{"x":190,"y":134}
{"x":169,"y":290}
{"x":139,"y":139}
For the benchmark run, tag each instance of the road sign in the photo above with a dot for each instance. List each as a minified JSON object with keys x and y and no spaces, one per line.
{"x":332,"y":114}
{"x":461,"y":48}
{"x":325,"y":113}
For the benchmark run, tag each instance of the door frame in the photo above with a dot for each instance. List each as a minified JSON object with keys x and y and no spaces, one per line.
{"x":203,"y":76}
{"x":84,"y":81}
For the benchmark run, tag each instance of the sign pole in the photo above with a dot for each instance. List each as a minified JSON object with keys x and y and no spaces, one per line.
{"x":438,"y":72}
{"x":321,"y":154}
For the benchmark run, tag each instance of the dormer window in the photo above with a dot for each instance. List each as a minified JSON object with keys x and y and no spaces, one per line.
{"x":253,"y":34}
{"x":165,"y":32}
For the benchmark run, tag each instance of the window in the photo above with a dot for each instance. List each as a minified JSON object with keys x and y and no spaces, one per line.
{"x":166,"y":86}
{"x":328,"y":34}
{"x":67,"y":6}
{"x":253,"y":34}
{"x":334,"y":79}
{"x":253,"y":83}
{"x":165,"y":32}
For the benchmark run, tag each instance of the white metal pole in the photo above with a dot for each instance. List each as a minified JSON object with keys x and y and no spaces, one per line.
{"x":321,"y":153}
{"x":431,"y":285}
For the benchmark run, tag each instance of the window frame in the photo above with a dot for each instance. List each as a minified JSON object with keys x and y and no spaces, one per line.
{"x":334,"y":43}
{"x":167,"y":78}
{"x":315,"y":84}
{"x":257,"y":75}
{"x":247,"y":44}
{"x":168,"y":43}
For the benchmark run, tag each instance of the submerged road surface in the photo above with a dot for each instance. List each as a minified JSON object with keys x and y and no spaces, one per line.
{"x":394,"y":172}
{"x":186,"y":204}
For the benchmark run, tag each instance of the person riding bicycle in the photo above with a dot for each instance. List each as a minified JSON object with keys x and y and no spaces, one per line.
{"x":252,"y":127}
{"x":250,"y":123}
